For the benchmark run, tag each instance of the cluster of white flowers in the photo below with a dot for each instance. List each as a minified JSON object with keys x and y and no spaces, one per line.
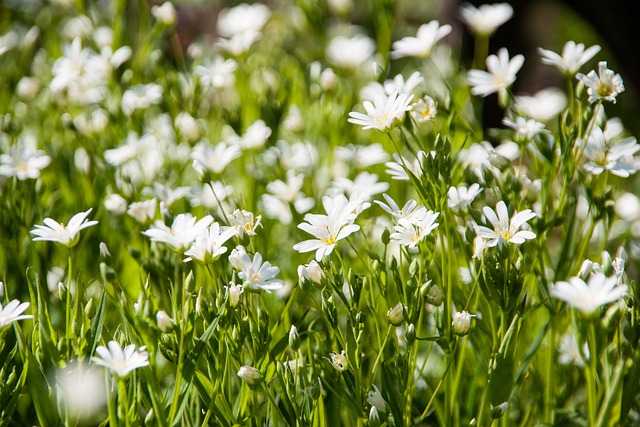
{"x":414,"y":222}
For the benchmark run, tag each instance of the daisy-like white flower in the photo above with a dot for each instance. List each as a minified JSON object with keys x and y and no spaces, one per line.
{"x":525,"y":129}
{"x":422,"y":44}
{"x":182,"y":233}
{"x":486,"y":19}
{"x":543,"y":106}
{"x":120,"y":361}
{"x":505,"y":229}
{"x":351,"y":52}
{"x":217,"y":73}
{"x":398,"y":168}
{"x":410,"y":211}
{"x":573,"y":57}
{"x":164,"y":13}
{"x":364,"y":185}
{"x":410,"y":233}
{"x":25,"y":162}
{"x":242,"y":19}
{"x":144,"y":211}
{"x":140,"y":97}
{"x":461,"y":197}
{"x":328,"y":229}
{"x":255,"y":273}
{"x":239,"y":43}
{"x":588,"y":297}
{"x":383,"y":114}
{"x":605,"y":85}
{"x":12,"y":312}
{"x":424,"y":110}
{"x":311,"y":271}
{"x":500,"y":75}
{"x":617,"y":159}
{"x":362,"y":156}
{"x":209,"y":246}
{"x":244,"y":222}
{"x":54,"y":231}
{"x":213,"y":159}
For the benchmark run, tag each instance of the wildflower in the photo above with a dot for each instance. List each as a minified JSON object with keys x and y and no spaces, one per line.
{"x":395,"y":315}
{"x":255,"y":136}
{"x":410,"y":210}
{"x":208,"y":246}
{"x":362,"y":156}
{"x":617,"y":159}
{"x":375,"y":399}
{"x":187,"y":126}
{"x":525,"y":129}
{"x":254,"y":273}
{"x":411,"y":232}
{"x":486,"y":19}
{"x":25,"y":161}
{"x":54,"y":231}
{"x":239,"y":43}
{"x":12,"y":312}
{"x":605,"y":85}
{"x":233,"y":293}
{"x":422,"y":44}
{"x":383,"y":115}
{"x":339,"y":361}
{"x":424,"y":110}
{"x":400,"y":166}
{"x":587,"y":298}
{"x":243,"y":18}
{"x":350,"y":52}
{"x":181,"y":234}
{"x":573,"y":57}
{"x":81,"y":390}
{"x":165,"y":323}
{"x":365,"y":185}
{"x":311,"y":271}
{"x":140,"y":97}
{"x":144,"y":211}
{"x":244,"y":222}
{"x":461,"y":197}
{"x":217,"y":73}
{"x":435,"y":296}
{"x":505,"y":229}
{"x":121,"y":361}
{"x":570,"y":353}
{"x":461,"y":323}
{"x":543,"y":106}
{"x":284,"y":194}
{"x":164,"y":13}
{"x":213,"y":159}
{"x":250,"y":375}
{"x":336,"y":225}
{"x":501,"y":74}
{"x":294,"y":338}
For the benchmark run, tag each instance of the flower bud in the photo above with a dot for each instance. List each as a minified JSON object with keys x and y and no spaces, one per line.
{"x":165,"y":13}
{"x":410,"y":335}
{"x":250,"y":375}
{"x":311,"y":271}
{"x":233,"y":293}
{"x":461,"y":323}
{"x":500,"y":410}
{"x":1,"y":289}
{"x":395,"y":315}
{"x":294,"y":338}
{"x":374,"y":417}
{"x":165,"y":323}
{"x":435,"y":295}
{"x":90,"y":309}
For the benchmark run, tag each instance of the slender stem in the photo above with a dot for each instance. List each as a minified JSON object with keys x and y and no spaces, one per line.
{"x":69,"y":334}
{"x":591,"y":373}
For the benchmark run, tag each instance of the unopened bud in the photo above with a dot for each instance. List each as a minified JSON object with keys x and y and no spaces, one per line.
{"x":410,"y":335}
{"x":435,"y":295}
{"x":294,"y":338}
{"x":395,"y":315}
{"x":461,"y":323}
{"x":500,"y":410}
{"x":165,"y":323}
{"x":250,"y":375}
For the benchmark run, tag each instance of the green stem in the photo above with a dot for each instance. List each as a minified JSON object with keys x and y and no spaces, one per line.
{"x":591,"y":373}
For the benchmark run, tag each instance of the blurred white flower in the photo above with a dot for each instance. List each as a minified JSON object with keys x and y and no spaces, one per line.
{"x":351,"y":52}
{"x":374,"y":398}
{"x":24,"y":161}
{"x":525,"y":129}
{"x":362,"y":156}
{"x":365,"y":185}
{"x":12,"y":312}
{"x":164,"y":321}
{"x":422,"y":44}
{"x":242,"y":18}
{"x":410,"y":211}
{"x":182,"y":233}
{"x":311,"y":271}
{"x":81,"y":390}
{"x":500,"y":75}
{"x":255,"y":136}
{"x":68,"y":235}
{"x":383,"y":114}
{"x":140,"y":97}
{"x":188,"y":126}
{"x":115,"y":204}
{"x":164,"y":13}
{"x":486,"y":19}
{"x":283,"y":195}
{"x":616,"y":158}
{"x":605,"y":85}
{"x":573,"y":57}
{"x":233,"y":293}
{"x":250,"y":375}
{"x":254,"y":273}
{"x":505,"y":229}
{"x":217,"y":72}
{"x":399,"y":167}
{"x":588,"y":297}
{"x":569,"y":353}
{"x":461,"y":323}
{"x":627,"y":207}
{"x":213,"y":159}
{"x":461,"y":197}
{"x":144,"y":211}
{"x":424,"y":109}
{"x":120,"y":361}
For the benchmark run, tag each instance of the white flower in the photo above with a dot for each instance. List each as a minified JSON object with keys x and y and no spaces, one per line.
{"x":217,"y":72}
{"x":254,"y":273}
{"x":144,"y":211}
{"x":362,"y":156}
{"x":244,"y":222}
{"x":278,"y":204}
{"x":525,"y":129}
{"x":587,"y":298}
{"x":336,"y":225}
{"x":250,"y":375}
{"x":411,"y":232}
{"x":398,"y":169}
{"x":573,"y":57}
{"x":24,"y":161}
{"x":410,"y":211}
{"x":365,"y":185}
{"x":140,"y":97}
{"x":569,"y":353}
{"x":256,"y":135}
{"x":165,"y":323}
{"x":120,"y":361}
{"x":242,"y":19}
{"x":311,"y":271}
{"x":617,"y":159}
{"x":501,"y":74}
{"x":233,"y":293}
{"x":461,"y":323}
{"x":383,"y":114}
{"x":424,"y":109}
{"x":350,"y":52}
{"x":81,"y":390}
{"x":605,"y":85}
{"x":165,"y":194}
{"x":12,"y":312}
{"x":165,"y":13}
{"x":487,"y":18}
{"x":505,"y":230}
{"x":213,"y":159}
{"x":422,"y":44}
{"x":374,"y":398}
{"x":461,"y":197}
{"x":395,"y":315}
{"x":239,"y":43}
{"x":208,"y":246}
{"x":54,"y":231}
{"x":188,"y":126}
{"x":182,"y":233}
{"x":115,"y":204}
